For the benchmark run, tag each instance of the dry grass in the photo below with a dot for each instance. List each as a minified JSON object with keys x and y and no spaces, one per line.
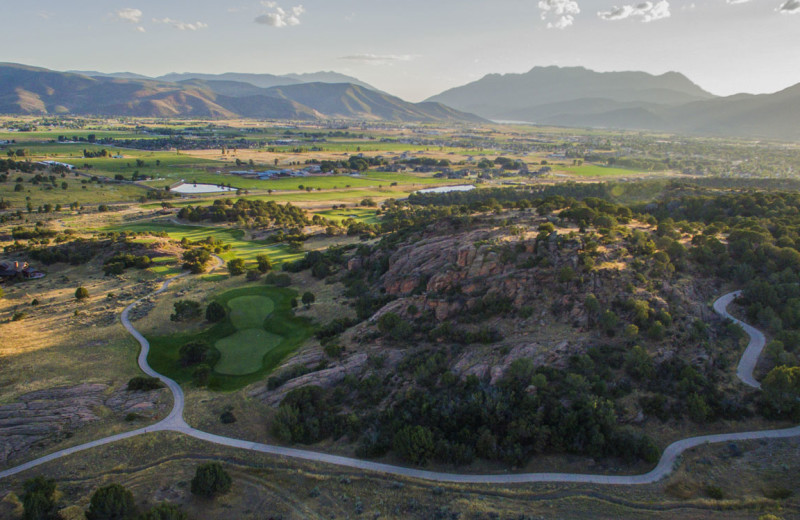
{"x":159,"y":467}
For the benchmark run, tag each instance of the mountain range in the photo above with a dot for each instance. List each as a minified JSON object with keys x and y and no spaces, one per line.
{"x":32,"y":90}
{"x":575,"y":96}
{"x":562,"y":96}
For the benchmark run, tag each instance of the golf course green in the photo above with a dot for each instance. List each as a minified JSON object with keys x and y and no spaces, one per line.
{"x":259,"y":331}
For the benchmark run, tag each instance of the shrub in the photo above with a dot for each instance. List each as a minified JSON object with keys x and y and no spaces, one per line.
{"x":185,"y":310}
{"x":227,"y":417}
{"x":81,"y":293}
{"x":143,"y":384}
{"x":165,"y":511}
{"x":264,"y":263}
{"x":414,"y":444}
{"x":215,"y":312}
{"x":112,"y":502}
{"x":236,"y":267}
{"x":19,"y":316}
{"x":308,"y":299}
{"x":333,"y":350}
{"x":211,"y":480}
{"x":38,"y":499}
{"x":253,"y":275}
{"x":193,"y":353}
{"x":279,"y":280}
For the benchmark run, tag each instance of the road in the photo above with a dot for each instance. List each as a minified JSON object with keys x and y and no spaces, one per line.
{"x":174,"y":422}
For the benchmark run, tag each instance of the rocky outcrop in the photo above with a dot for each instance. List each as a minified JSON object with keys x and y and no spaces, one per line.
{"x":47,"y":416}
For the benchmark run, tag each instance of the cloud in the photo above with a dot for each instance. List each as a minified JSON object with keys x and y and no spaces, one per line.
{"x":378,"y":59}
{"x":279,"y":17}
{"x":140,"y":29}
{"x":789,"y":7}
{"x":734,"y":2}
{"x":129,"y":15}
{"x":562,"y":12}
{"x":646,"y":11}
{"x":182,"y":26}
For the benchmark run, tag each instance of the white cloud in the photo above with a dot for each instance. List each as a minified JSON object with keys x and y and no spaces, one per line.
{"x":560,"y":12}
{"x":140,"y":29}
{"x":129,"y":15}
{"x":790,"y":7}
{"x":279,"y":17}
{"x":646,"y":11}
{"x":734,"y":2}
{"x":182,"y":26}
{"x":378,"y":59}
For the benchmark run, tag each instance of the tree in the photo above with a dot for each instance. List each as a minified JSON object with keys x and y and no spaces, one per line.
{"x":193,"y":353}
{"x":215,"y":312}
{"x":165,"y":511}
{"x":112,"y":502}
{"x":608,"y":322}
{"x":264,"y":263}
{"x":211,"y":480}
{"x":38,"y":499}
{"x":81,"y":293}
{"x":782,"y":391}
{"x":185,"y":310}
{"x":308,"y":299}
{"x":236,"y":267}
{"x":414,"y":444}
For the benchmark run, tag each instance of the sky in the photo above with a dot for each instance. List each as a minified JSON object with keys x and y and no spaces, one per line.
{"x":414,"y":48}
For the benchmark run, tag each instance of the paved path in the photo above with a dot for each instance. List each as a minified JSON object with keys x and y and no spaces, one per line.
{"x":174,"y":422}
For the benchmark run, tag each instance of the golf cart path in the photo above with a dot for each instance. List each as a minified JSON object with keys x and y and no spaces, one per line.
{"x":174,"y":422}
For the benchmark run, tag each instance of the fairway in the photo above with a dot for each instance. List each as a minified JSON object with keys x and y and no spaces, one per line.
{"x":243,"y":352}
{"x":249,"y":312}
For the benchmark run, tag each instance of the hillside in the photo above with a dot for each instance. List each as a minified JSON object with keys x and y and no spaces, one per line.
{"x":31,"y":90}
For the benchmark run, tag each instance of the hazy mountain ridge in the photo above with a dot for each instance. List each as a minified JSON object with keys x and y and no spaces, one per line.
{"x":31,"y":90}
{"x":576,"y":96}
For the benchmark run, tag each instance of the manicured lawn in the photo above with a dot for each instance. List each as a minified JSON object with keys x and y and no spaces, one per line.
{"x":367,"y":216}
{"x":249,"y":312}
{"x":240,"y":248}
{"x":595,"y":170}
{"x":243,"y":356}
{"x":243,"y":352}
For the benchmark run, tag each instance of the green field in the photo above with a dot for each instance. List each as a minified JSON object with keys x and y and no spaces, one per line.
{"x":243,"y":356}
{"x":81,"y":192}
{"x":240,"y":248}
{"x":368,"y":216}
{"x":595,"y":170}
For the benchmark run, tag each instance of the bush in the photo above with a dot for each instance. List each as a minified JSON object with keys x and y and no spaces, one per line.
{"x":143,"y":384}
{"x":279,"y":280}
{"x":211,"y":480}
{"x":227,"y":417}
{"x":165,"y":511}
{"x":81,"y":293}
{"x":264,"y":263}
{"x":38,"y":499}
{"x":253,"y":275}
{"x":308,"y":299}
{"x":414,"y":444}
{"x":19,"y":316}
{"x":193,"y":353}
{"x":112,"y":502}
{"x":185,"y":310}
{"x":236,"y":267}
{"x":201,"y":375}
{"x":215,"y":312}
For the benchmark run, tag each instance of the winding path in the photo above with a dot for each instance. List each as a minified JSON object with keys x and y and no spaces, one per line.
{"x":174,"y":422}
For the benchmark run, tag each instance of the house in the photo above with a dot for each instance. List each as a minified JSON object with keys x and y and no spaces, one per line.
{"x":15,"y":269}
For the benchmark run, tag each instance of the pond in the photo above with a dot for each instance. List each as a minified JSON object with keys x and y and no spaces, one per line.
{"x":191,"y":189}
{"x":448,"y":189}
